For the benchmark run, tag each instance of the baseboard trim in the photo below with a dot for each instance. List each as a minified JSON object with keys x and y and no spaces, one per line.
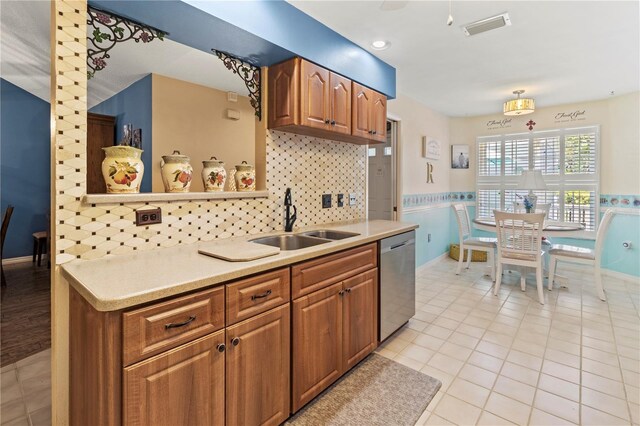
{"x":426,"y":265}
{"x":13,"y":260}
{"x":619,"y":275}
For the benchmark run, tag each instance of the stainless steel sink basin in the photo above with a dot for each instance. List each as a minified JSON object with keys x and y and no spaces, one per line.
{"x":330,"y":235}
{"x":290,"y":242}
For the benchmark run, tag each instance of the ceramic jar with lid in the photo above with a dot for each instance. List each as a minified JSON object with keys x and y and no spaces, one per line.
{"x":122,"y":169}
{"x":214,"y":175}
{"x":176,"y":172}
{"x":245,"y":177}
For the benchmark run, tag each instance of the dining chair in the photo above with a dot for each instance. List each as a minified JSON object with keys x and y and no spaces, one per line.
{"x":520,"y":244}
{"x":568,"y":253}
{"x":3,"y":235}
{"x":469,"y":243}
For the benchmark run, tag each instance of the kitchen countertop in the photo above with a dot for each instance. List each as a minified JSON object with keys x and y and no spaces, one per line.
{"x":119,"y":282}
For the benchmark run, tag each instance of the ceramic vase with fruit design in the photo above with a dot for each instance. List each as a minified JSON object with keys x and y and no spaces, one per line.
{"x":214,"y":175}
{"x":245,"y":177}
{"x":122,"y":169}
{"x":176,"y":172}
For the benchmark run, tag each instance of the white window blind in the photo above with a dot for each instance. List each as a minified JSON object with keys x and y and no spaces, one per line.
{"x":568,"y":159}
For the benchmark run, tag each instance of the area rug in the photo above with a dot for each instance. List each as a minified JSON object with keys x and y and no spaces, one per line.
{"x":378,"y":391}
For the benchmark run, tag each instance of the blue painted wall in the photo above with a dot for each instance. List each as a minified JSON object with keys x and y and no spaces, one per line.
{"x":434,"y":221}
{"x":24,"y":159}
{"x":133,"y":105}
{"x":264,"y":31}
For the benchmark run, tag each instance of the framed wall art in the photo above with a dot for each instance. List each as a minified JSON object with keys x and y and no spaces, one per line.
{"x":459,"y":156}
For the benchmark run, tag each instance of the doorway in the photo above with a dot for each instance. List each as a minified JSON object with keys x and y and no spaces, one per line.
{"x":383,"y":176}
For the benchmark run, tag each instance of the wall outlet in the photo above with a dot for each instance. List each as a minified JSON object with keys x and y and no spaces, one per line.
{"x":326,"y":201}
{"x":148,"y":217}
{"x":428,"y":238}
{"x":340,"y":200}
{"x":352,"y":199}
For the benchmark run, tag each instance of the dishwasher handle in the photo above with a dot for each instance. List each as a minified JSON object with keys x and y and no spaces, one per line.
{"x":399,"y":245}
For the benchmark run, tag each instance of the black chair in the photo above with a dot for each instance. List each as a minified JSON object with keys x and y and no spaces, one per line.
{"x":5,"y":226}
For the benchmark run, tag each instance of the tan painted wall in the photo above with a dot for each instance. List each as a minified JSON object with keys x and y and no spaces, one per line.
{"x":619,"y":137}
{"x":417,"y":120}
{"x":192,"y":119}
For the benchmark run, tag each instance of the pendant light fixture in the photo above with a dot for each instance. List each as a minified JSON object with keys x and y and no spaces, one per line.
{"x":519,"y":106}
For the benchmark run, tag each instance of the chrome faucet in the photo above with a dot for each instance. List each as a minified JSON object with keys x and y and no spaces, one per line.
{"x":289,"y":219}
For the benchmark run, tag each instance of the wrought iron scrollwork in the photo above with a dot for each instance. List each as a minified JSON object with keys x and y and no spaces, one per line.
{"x":249,"y":73}
{"x":107,"y":30}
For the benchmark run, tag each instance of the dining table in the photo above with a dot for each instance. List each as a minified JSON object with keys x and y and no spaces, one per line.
{"x":555,"y":229}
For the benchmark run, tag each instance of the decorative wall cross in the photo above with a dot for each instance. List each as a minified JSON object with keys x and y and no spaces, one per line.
{"x":530,"y":124}
{"x":107,"y":30}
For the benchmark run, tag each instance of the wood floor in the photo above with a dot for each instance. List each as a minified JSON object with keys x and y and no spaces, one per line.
{"x":25,"y":312}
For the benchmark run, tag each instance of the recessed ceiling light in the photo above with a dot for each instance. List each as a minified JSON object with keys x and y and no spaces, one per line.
{"x":380,"y":44}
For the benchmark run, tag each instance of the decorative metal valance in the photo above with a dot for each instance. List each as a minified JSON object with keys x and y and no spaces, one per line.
{"x":249,"y":73}
{"x":110,"y":29}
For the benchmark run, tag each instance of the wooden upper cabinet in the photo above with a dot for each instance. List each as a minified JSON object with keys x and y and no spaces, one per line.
{"x":379,"y":117}
{"x":308,"y":99}
{"x":359,"y":316}
{"x":361,"y":111}
{"x":314,"y":97}
{"x":184,"y":386}
{"x":284,"y":94}
{"x":258,"y":386}
{"x":340,"y":97}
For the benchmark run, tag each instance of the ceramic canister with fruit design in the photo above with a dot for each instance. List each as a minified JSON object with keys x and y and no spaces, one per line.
{"x":122,"y":169}
{"x":213,"y":175}
{"x":245,"y":177}
{"x":176,"y":172}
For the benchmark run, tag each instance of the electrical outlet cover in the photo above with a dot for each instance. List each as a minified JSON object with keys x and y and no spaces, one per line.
{"x":326,"y":201}
{"x":352,"y":199}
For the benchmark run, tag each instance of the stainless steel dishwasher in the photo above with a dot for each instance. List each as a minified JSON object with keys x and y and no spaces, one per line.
{"x":397,"y":282}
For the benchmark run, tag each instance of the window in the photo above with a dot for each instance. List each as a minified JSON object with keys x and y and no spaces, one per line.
{"x":567,"y":158}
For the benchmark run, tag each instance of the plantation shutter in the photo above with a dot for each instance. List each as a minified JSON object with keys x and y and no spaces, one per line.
{"x":546,"y":154}
{"x":580,"y":153}
{"x":489,"y":157}
{"x":486,"y":202}
{"x":516,"y":156}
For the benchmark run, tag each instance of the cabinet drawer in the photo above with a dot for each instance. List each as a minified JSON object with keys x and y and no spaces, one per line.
{"x":156,"y":328}
{"x":315,"y":274}
{"x":258,"y":294}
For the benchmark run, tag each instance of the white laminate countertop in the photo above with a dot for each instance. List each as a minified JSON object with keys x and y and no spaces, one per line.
{"x":119,"y":282}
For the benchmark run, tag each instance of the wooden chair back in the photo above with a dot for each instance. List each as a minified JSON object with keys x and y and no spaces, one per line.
{"x":602,"y":233}
{"x":462,"y":218}
{"x":519,"y":236}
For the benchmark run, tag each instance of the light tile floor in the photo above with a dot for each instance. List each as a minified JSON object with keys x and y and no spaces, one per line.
{"x":502,"y":359}
{"x":507,"y":359}
{"x":26,"y":391}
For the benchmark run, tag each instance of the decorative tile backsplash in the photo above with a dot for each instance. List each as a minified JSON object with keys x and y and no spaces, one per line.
{"x":309,"y":166}
{"x":424,"y":200}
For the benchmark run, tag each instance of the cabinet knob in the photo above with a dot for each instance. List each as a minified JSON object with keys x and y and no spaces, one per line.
{"x":333,"y":122}
{"x":348,"y":290}
{"x":341,"y":292}
{"x":221,"y":347}
{"x":327,"y":121}
{"x":370,"y":132}
{"x":235,"y":341}
{"x":375,"y":132}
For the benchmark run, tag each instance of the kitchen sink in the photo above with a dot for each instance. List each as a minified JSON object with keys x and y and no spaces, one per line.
{"x":290,"y":242}
{"x":330,"y":235}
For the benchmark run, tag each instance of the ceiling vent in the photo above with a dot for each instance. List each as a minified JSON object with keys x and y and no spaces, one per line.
{"x":488,"y":24}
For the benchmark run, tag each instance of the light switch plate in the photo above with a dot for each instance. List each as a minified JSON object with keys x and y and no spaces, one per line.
{"x":340,"y":200}
{"x":326,"y":201}
{"x":352,"y":199}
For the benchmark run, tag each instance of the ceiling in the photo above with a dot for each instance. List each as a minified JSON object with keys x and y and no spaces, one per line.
{"x":25,"y":58}
{"x":558,"y":51}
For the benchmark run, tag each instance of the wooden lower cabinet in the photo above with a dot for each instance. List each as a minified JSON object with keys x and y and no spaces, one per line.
{"x":317,"y":343}
{"x":359,"y":331}
{"x":257,"y":369}
{"x":333,"y":329}
{"x":184,"y":386}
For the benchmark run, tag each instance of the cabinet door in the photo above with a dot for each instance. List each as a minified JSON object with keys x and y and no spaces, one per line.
{"x":184,"y":386}
{"x":379,"y":117}
{"x":258,"y":369}
{"x":361,"y":111}
{"x":317,"y":343}
{"x":284,"y":91}
{"x":314,"y":96}
{"x":359,"y":319}
{"x":340,"y":104}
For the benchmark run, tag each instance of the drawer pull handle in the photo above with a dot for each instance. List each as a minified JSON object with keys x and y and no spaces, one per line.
{"x":221,"y":347}
{"x":180,"y":324}
{"x":260,"y":296}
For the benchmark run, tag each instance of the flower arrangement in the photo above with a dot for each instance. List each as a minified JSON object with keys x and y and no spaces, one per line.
{"x":528,"y":204}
